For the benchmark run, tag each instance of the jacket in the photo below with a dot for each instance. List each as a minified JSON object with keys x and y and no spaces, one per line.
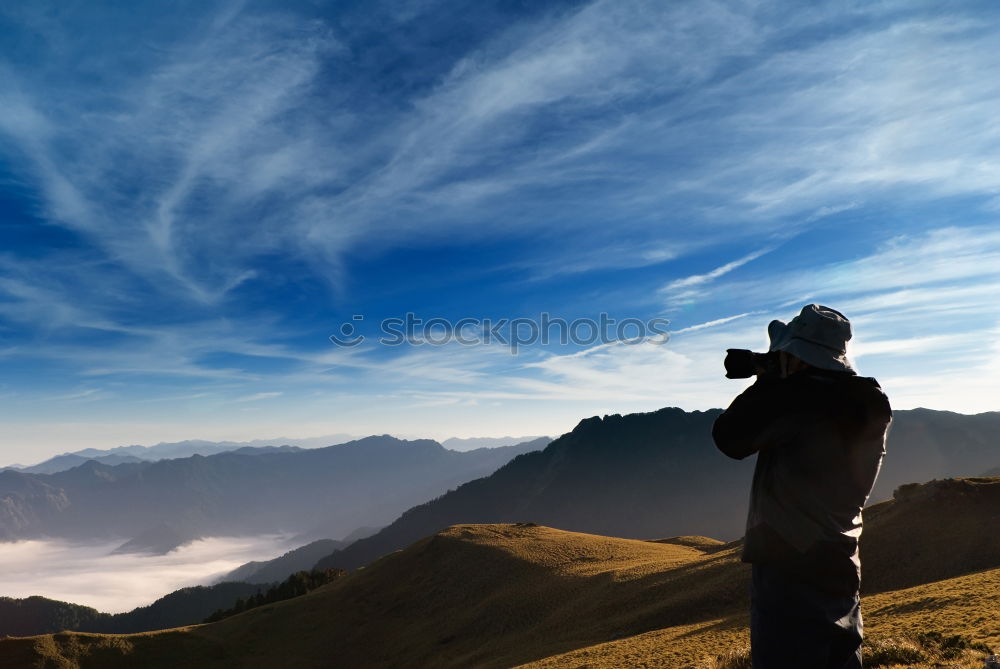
{"x":820,"y":438}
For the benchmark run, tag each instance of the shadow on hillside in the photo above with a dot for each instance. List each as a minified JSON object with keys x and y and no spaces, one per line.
{"x":930,"y":532}
{"x":739,"y":621}
{"x":704,"y":590}
{"x":923,"y":604}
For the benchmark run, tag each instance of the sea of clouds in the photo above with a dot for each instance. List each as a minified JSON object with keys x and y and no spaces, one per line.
{"x":90,"y":574}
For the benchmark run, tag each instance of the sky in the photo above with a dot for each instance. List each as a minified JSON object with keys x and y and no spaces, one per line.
{"x":194,"y":196}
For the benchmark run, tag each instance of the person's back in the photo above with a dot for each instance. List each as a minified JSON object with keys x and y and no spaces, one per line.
{"x":819,"y":434}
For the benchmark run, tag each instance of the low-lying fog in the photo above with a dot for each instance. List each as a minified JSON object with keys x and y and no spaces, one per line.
{"x":89,"y":574}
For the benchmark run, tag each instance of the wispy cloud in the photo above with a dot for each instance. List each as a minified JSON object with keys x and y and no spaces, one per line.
{"x":218,"y":125}
{"x":256,"y":397}
{"x":83,"y":394}
{"x":688,"y":286}
{"x":214,"y":194}
{"x":205,"y":119}
{"x":711,"y":323}
{"x":941,"y":323}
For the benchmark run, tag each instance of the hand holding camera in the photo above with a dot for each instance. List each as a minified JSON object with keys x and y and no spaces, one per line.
{"x":742,"y":364}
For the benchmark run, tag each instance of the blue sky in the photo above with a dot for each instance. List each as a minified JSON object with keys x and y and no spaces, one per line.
{"x":194,"y":196}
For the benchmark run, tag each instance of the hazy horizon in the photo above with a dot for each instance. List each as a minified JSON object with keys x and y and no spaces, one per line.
{"x":306,"y":442}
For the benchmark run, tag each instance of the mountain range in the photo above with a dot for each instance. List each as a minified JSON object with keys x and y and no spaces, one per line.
{"x":470,"y":443}
{"x":659,"y":474}
{"x":184,"y":449}
{"x":156,"y":505}
{"x":504,"y":595}
{"x":640,"y":475}
{"x":170,"y":450}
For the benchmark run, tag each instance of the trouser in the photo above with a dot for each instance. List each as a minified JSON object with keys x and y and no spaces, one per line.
{"x":797,"y":626}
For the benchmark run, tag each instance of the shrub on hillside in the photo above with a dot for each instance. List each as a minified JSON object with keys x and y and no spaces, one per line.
{"x":886,"y":652}
{"x":950,"y":647}
{"x":738,"y":658}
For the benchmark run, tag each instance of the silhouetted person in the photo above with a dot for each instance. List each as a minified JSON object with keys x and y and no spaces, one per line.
{"x":819,"y":433}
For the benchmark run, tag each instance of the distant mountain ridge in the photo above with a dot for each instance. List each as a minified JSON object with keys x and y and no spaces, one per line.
{"x":659,"y":474}
{"x":278,"y":569}
{"x":298,"y":559}
{"x":61,"y":463}
{"x":170,"y":450}
{"x":364,"y":482}
{"x":470,"y":443}
{"x":184,"y":449}
{"x":189,"y":447}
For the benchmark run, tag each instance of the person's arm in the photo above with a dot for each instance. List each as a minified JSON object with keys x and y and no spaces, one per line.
{"x":754,"y":419}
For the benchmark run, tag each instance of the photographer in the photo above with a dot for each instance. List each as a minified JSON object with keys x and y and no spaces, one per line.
{"x":819,"y":433}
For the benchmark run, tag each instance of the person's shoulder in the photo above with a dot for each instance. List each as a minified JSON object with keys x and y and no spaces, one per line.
{"x":869,"y":382}
{"x":864,"y":389}
{"x":852,"y":380}
{"x":869,"y":391}
{"x":825,"y":377}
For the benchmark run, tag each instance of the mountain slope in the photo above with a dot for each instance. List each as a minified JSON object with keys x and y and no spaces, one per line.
{"x":278,"y":569}
{"x":627,"y":476}
{"x":926,"y":444}
{"x":931,"y":532}
{"x":61,"y":463}
{"x":27,"y":503}
{"x":364,"y":482}
{"x":500,"y":595}
{"x":36,"y":615}
{"x":658,"y":474}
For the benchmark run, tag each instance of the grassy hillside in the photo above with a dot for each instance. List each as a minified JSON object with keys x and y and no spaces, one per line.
{"x":486,"y":595}
{"x":506,"y":595}
{"x":965,"y":605}
{"x":930,"y":532}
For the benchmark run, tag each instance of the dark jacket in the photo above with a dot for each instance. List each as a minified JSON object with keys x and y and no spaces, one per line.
{"x":819,"y":438}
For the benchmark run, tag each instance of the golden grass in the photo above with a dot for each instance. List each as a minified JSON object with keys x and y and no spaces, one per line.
{"x":506,"y":595}
{"x":964,"y":605}
{"x":471,"y":595}
{"x":891,"y":652}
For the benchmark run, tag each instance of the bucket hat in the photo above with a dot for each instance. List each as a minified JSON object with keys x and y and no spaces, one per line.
{"x":817,"y":336}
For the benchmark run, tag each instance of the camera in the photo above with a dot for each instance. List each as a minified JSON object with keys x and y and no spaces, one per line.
{"x":742,"y":364}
